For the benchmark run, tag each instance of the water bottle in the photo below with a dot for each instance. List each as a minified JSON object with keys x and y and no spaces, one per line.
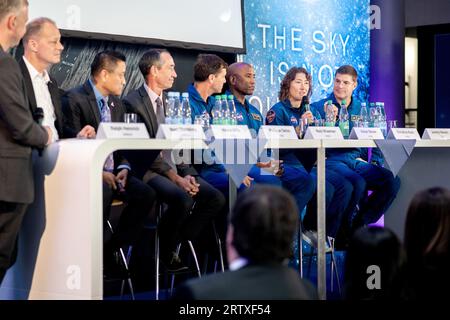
{"x":344,"y":123}
{"x":382,"y":118}
{"x":226,"y":114}
{"x":177,"y":112}
{"x":185,"y":109}
{"x":170,"y":108}
{"x":373,"y":116}
{"x":329,"y":116}
{"x":217,"y":111}
{"x":232,"y":107}
{"x":364,"y":116}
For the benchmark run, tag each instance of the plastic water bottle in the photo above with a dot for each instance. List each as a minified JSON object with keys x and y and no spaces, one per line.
{"x":364,"y":116}
{"x":344,"y":123}
{"x":226,"y":114}
{"x":170,"y":108}
{"x":185,"y":109}
{"x":217,"y":111}
{"x":232,"y":107}
{"x":373,"y":115}
{"x":177,"y":116}
{"x":382,"y":118}
{"x":329,"y":116}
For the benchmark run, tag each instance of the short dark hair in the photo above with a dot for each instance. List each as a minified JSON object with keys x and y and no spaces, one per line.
{"x":150,"y":58}
{"x":7,"y":6}
{"x":347,"y":69}
{"x":374,"y":246}
{"x":106,"y":60}
{"x":288,"y":78}
{"x":206,"y":65}
{"x":264,"y":220}
{"x":35,"y":26}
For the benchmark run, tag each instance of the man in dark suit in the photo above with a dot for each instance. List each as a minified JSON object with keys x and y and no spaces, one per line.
{"x":42,"y":49}
{"x":89,"y":104}
{"x":180,"y":188}
{"x":259,"y":244}
{"x":18,"y":134}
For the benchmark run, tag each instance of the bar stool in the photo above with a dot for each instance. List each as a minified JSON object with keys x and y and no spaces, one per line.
{"x":125,"y":259}
{"x":311,"y":238}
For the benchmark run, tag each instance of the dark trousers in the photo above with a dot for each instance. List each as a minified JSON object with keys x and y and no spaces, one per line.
{"x":338,"y":192}
{"x":139,"y":199}
{"x":365,"y":176}
{"x":11,"y":216}
{"x":178,"y":222}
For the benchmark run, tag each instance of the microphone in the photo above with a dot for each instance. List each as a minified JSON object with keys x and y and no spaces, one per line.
{"x":305,"y":103}
{"x":38,"y":115}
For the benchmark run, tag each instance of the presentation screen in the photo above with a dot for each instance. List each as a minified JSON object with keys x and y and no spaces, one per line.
{"x":320,"y":35}
{"x":199,"y":24}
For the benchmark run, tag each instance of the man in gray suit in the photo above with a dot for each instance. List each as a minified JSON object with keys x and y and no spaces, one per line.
{"x":18,"y":134}
{"x":259,"y":244}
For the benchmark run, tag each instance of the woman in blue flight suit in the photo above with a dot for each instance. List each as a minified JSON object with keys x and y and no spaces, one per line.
{"x":295,"y":85}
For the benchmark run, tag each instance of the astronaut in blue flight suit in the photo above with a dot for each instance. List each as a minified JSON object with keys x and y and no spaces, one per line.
{"x":354,"y":163}
{"x":289,"y":111}
{"x":241,"y":84}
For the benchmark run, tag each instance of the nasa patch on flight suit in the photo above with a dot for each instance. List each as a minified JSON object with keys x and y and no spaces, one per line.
{"x":239,"y":117}
{"x":294,"y":120}
{"x":256,"y":117}
{"x":271,"y":116}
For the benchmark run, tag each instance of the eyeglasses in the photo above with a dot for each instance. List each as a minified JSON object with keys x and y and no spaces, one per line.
{"x":344,"y":83}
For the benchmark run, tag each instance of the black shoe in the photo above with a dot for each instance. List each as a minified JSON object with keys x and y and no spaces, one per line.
{"x":114,"y":267}
{"x":174,"y":264}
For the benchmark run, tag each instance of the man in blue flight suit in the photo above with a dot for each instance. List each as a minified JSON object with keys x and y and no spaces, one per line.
{"x":353,"y":163}
{"x":290,"y":111}
{"x":209,"y":77}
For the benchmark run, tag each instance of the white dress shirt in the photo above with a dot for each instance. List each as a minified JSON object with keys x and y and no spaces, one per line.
{"x":43,"y":98}
{"x":153,"y":96}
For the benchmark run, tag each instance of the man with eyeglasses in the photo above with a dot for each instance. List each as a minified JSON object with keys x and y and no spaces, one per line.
{"x":353,"y":163}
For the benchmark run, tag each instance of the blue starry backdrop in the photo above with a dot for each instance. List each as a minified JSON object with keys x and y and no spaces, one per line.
{"x":320,"y":35}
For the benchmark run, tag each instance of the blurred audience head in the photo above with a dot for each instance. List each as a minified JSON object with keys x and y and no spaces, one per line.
{"x":374,"y":265}
{"x":262,"y":225}
{"x":427,"y":238}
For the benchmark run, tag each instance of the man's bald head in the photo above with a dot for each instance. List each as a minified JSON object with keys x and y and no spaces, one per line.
{"x":241,"y":79}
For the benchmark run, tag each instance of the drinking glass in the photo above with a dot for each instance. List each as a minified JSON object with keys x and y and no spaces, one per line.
{"x":130,"y":118}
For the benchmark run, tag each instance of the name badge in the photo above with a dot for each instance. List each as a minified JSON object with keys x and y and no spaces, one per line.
{"x":436,"y":134}
{"x":277,"y":132}
{"x":119,"y":130}
{"x":324,"y":133}
{"x":230,"y":132}
{"x":366,"y":133}
{"x":180,"y":132}
{"x":403,"y":134}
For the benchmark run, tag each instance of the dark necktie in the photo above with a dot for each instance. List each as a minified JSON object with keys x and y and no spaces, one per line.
{"x":160,"y":116}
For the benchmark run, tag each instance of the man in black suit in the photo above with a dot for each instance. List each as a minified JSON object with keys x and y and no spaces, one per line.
{"x":259,"y":244}
{"x":89,"y":104}
{"x":18,"y":134}
{"x":42,"y":49}
{"x":180,"y":188}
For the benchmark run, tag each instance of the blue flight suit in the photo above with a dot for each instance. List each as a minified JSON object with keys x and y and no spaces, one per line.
{"x":363,"y":175}
{"x":216,"y":174}
{"x":338,"y":189}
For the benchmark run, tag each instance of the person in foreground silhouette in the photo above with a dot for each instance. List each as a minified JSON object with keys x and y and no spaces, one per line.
{"x":259,"y":239}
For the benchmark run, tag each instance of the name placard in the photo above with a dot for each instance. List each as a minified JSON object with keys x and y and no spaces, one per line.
{"x":277,"y":132}
{"x":324,"y":133}
{"x":230,"y":132}
{"x":403,"y":134}
{"x":436,"y":134}
{"x":119,"y":130}
{"x":180,"y":132}
{"x":366,"y":133}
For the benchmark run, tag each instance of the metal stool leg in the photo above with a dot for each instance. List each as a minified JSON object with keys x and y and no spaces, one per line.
{"x":157,"y":262}
{"x":219,"y":245}
{"x":334,"y":270}
{"x":300,"y":250}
